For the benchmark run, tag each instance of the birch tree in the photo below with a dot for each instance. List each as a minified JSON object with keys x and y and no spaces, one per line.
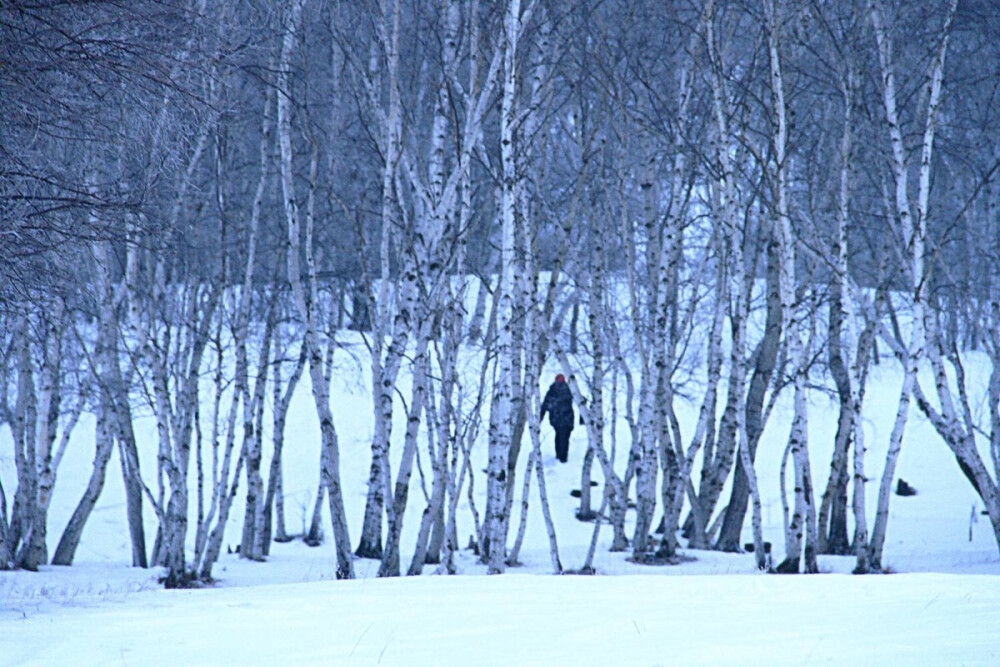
{"x":385,"y":369}
{"x":668,"y":319}
{"x":304,"y":292}
{"x":39,"y":439}
{"x":803,"y":520}
{"x":953,"y":416}
{"x":494,"y":543}
{"x":912,"y":234}
{"x":733,"y":433}
{"x":850,"y":331}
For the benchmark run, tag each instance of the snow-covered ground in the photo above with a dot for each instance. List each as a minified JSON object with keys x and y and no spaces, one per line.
{"x":941,"y":607}
{"x":907,"y":619}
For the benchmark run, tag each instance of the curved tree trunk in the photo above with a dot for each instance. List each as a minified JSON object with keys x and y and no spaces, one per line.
{"x":104,"y":446}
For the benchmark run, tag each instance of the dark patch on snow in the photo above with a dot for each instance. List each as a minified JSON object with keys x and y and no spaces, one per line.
{"x":653,"y":558}
{"x":587,"y":517}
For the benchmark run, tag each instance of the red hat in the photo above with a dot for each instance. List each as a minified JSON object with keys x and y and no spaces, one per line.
{"x":560,"y":378}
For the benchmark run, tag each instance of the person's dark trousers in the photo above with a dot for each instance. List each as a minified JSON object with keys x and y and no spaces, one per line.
{"x":562,"y":444}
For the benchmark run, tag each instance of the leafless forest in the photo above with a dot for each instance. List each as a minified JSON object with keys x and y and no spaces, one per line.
{"x":710,"y":201}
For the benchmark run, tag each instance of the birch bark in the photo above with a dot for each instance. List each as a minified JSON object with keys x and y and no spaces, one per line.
{"x":914,"y":233}
{"x":49,"y":397}
{"x":832,"y":524}
{"x":103,"y":447}
{"x":673,"y":461}
{"x":719,"y":453}
{"x":733,"y":425}
{"x":953,"y":418}
{"x":500,"y":440}
{"x":385,"y":371}
{"x":274,"y":504}
{"x":803,"y":520}
{"x":251,"y":546}
{"x":306,"y":305}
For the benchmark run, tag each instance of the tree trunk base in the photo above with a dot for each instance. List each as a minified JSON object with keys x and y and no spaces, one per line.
{"x":836,"y":548}
{"x":184,"y":580}
{"x":659,"y":558}
{"x":369,"y":549}
{"x":788,"y":566}
{"x":727,"y":546}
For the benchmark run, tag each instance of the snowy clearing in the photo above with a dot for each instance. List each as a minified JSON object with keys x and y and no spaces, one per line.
{"x":912,"y":619}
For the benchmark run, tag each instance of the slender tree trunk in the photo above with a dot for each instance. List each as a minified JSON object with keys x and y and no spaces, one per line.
{"x":24,"y":427}
{"x":914,"y":232}
{"x":390,"y":556}
{"x":48,"y":412}
{"x":842,"y":353}
{"x":739,"y":410}
{"x":306,"y":305}
{"x":432,"y":519}
{"x":646,"y":466}
{"x":534,"y":407}
{"x":765,"y":356}
{"x":954,"y":421}
{"x":803,"y":521}
{"x":668,"y":299}
{"x":505,"y":415}
{"x":706,"y":417}
{"x":251,"y":545}
{"x":274,"y":504}
{"x":385,"y":370}
{"x":128,"y":456}
{"x":104,"y":445}
{"x":720,"y":452}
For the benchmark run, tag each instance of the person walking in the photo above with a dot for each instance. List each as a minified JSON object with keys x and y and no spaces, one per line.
{"x":559,"y":404}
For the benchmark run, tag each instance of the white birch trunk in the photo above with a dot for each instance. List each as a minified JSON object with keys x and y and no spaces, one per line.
{"x":666,"y":320}
{"x":719,"y":457}
{"x":500,"y":440}
{"x":168,"y":331}
{"x":706,"y":414}
{"x":253,"y":423}
{"x":534,"y":318}
{"x":914,"y":232}
{"x":274,"y":504}
{"x":389,"y":566}
{"x":852,"y":347}
{"x":320,"y":387}
{"x":531,"y":143}
{"x":199,"y":312}
{"x":103,"y":447}
{"x":23,"y":425}
{"x":255,"y":491}
{"x":841,"y":353}
{"x":954,"y":421}
{"x":47,"y":423}
{"x":803,"y":519}
{"x":113,"y":385}
{"x":646,"y":465}
{"x":733,"y":428}
{"x":440,"y":417}
{"x":385,"y":370}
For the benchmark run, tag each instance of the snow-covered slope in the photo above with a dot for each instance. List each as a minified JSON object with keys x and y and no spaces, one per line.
{"x":286,"y":611}
{"x":912,"y":619}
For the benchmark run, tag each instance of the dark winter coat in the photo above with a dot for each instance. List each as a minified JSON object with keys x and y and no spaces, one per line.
{"x":559,"y":404}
